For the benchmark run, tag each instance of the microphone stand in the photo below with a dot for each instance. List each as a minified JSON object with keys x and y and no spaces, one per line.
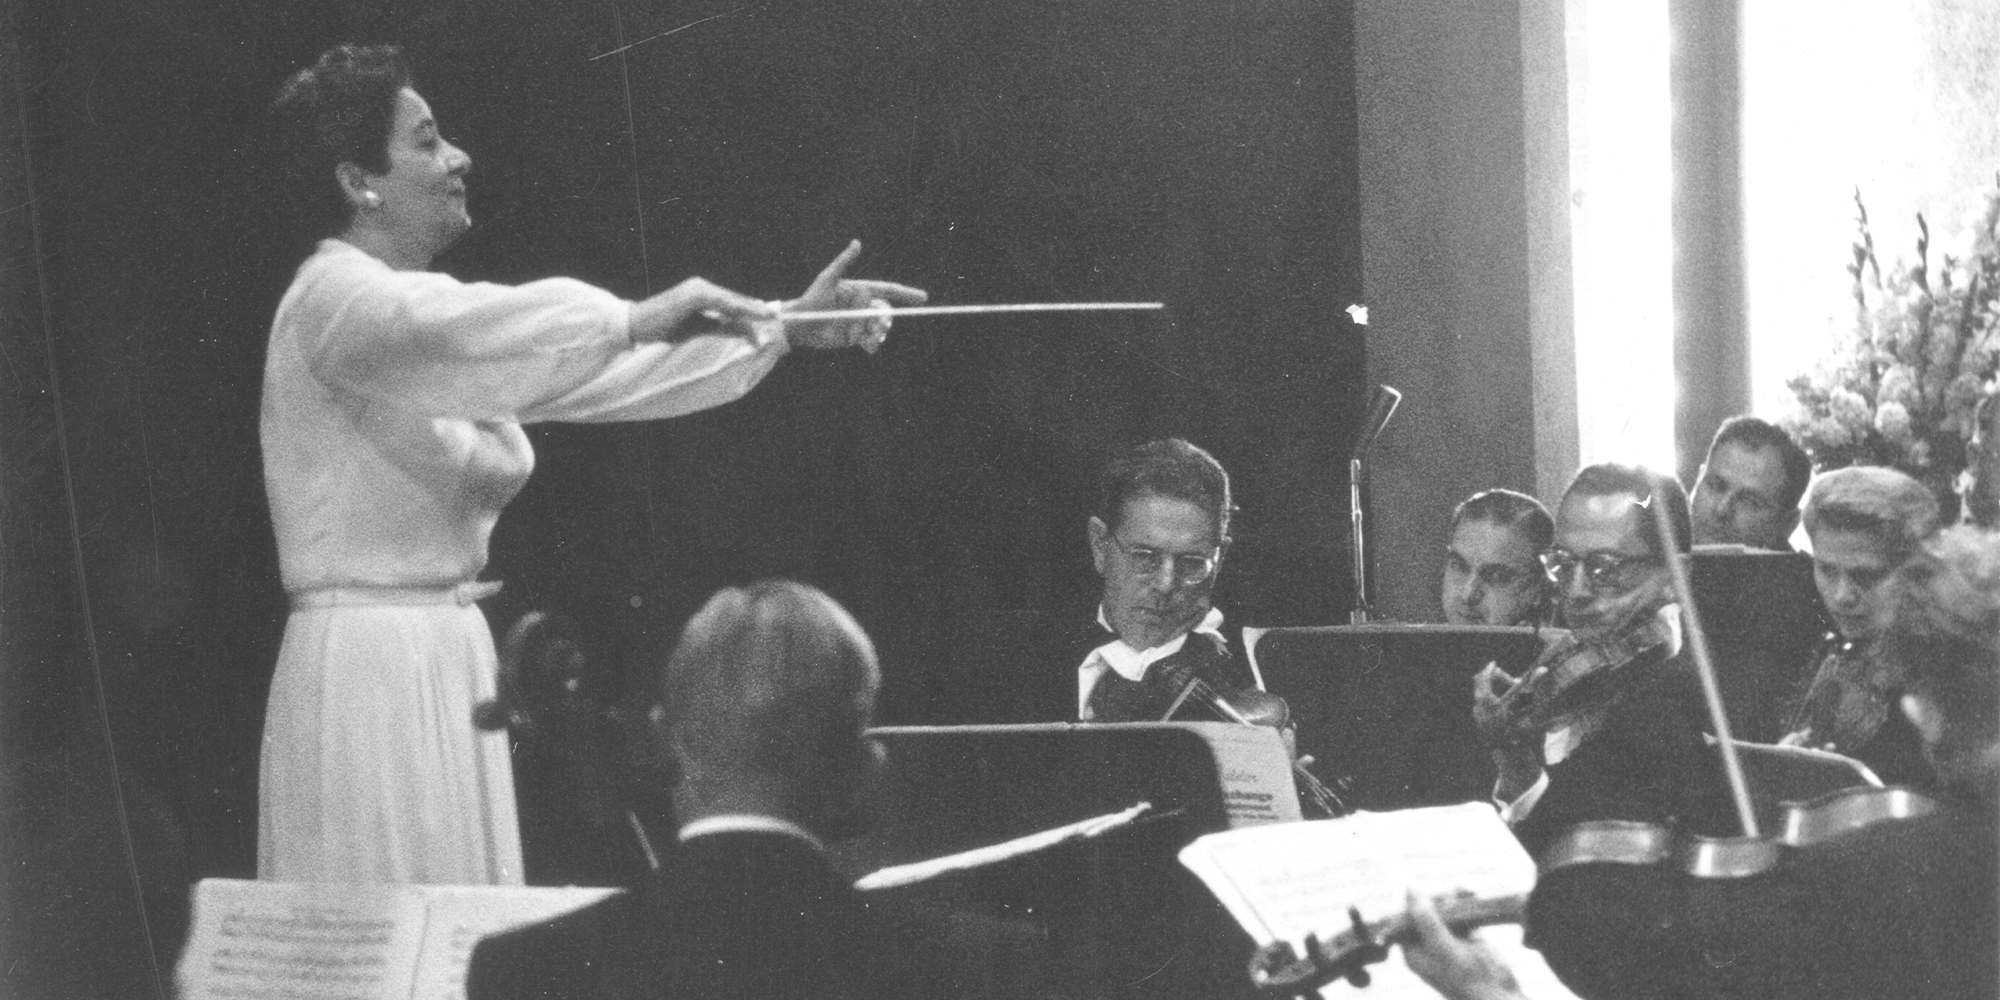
{"x":1380,"y":408}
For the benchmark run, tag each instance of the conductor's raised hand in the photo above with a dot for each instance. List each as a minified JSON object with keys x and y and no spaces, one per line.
{"x":697,"y":306}
{"x":834,"y":290}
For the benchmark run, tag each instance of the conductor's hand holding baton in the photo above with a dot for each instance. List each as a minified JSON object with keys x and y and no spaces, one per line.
{"x":699,"y":306}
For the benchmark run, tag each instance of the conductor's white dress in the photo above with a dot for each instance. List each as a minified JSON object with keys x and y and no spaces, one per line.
{"x":391,"y":430}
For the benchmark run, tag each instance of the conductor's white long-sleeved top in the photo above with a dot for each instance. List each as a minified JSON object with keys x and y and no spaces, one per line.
{"x":391,"y":432}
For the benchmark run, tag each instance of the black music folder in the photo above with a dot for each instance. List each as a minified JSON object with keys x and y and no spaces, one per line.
{"x":1763,"y":617}
{"x":1112,"y":916}
{"x":1386,"y":709}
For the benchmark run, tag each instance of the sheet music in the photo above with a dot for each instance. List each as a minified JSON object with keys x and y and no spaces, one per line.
{"x":288,"y":942}
{"x":1285,"y":881}
{"x":459,"y":916}
{"x":294,"y":941}
{"x":1256,"y":770}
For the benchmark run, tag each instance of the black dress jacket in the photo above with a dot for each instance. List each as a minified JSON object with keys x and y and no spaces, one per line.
{"x":740,"y":914}
{"x":1648,"y":762}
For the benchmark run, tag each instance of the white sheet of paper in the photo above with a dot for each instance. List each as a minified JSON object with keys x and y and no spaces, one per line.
{"x":266,"y":939}
{"x":895,"y":876}
{"x":1257,"y":782}
{"x":460,"y":915}
{"x":351,"y":942}
{"x":1285,"y":881}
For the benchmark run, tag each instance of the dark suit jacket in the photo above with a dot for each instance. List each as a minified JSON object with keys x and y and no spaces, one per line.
{"x":750,"y":915}
{"x":1648,"y":762}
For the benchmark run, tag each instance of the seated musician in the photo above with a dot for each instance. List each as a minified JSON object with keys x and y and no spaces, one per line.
{"x":766,"y":699}
{"x":1864,"y":521}
{"x":1157,"y":541}
{"x":1908,"y":909}
{"x":1905,"y":908}
{"x":1748,"y":489}
{"x":1493,"y":572}
{"x":1608,"y":723}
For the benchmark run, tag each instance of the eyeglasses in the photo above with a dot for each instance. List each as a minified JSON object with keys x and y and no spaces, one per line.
{"x":1187,"y":570}
{"x":1603,"y":570}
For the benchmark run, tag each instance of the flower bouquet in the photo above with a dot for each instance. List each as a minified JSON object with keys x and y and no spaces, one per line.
{"x":1901,"y":387}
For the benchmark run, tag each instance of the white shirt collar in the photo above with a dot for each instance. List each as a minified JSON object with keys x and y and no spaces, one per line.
{"x":748,"y":823}
{"x":1119,"y":657}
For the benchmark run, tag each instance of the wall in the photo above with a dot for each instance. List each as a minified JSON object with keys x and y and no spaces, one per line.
{"x":1464,"y":255}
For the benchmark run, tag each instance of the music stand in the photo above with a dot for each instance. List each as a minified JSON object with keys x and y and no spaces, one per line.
{"x":1386,"y":709}
{"x":1764,"y":618}
{"x":1114,"y":916}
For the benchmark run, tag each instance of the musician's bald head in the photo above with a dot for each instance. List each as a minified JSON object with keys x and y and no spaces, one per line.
{"x":1640,"y":486}
{"x":766,"y":699}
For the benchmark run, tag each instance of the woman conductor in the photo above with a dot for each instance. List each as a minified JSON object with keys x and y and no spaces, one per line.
{"x":393,"y":404}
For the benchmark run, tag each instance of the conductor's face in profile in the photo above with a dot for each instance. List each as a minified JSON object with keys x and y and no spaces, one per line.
{"x":1158,"y":564}
{"x":419,"y":201}
{"x":1607,"y":571}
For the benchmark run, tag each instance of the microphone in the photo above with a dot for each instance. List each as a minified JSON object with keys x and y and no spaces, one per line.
{"x":1381,"y":406}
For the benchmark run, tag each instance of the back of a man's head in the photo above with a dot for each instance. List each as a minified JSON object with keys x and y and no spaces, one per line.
{"x":1645,"y":486}
{"x":1892,"y":508}
{"x":1754,"y":434}
{"x":1170,"y":467}
{"x":767,"y":694}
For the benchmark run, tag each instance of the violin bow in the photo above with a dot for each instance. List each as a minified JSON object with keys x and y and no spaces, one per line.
{"x":1711,"y":686}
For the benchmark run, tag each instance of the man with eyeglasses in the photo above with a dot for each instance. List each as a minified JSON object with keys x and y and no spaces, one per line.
{"x":1747,"y":492}
{"x":1157,"y":540}
{"x":1608,"y":724}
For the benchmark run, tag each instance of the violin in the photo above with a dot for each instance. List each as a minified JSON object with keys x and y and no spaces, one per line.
{"x":1667,"y":896}
{"x":1249,"y":707}
{"x":1277,"y":970}
{"x":1572,"y":870}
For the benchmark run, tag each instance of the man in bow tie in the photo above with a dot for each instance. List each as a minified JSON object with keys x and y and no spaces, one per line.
{"x":1157,"y":540}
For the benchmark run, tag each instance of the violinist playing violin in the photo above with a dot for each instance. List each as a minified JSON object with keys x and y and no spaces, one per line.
{"x":1608,"y":723}
{"x":1907,"y":909}
{"x":1903,"y":906}
{"x":1157,"y":539}
{"x":1864,"y":521}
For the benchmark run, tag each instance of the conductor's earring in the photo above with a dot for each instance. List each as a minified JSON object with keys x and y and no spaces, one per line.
{"x":371,"y":199}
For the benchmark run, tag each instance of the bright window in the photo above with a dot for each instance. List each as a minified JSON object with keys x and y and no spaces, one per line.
{"x":1619,"y":169}
{"x":1895,"y":97}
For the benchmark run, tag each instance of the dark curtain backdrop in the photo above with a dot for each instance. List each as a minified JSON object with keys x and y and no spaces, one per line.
{"x":1199,"y":152}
